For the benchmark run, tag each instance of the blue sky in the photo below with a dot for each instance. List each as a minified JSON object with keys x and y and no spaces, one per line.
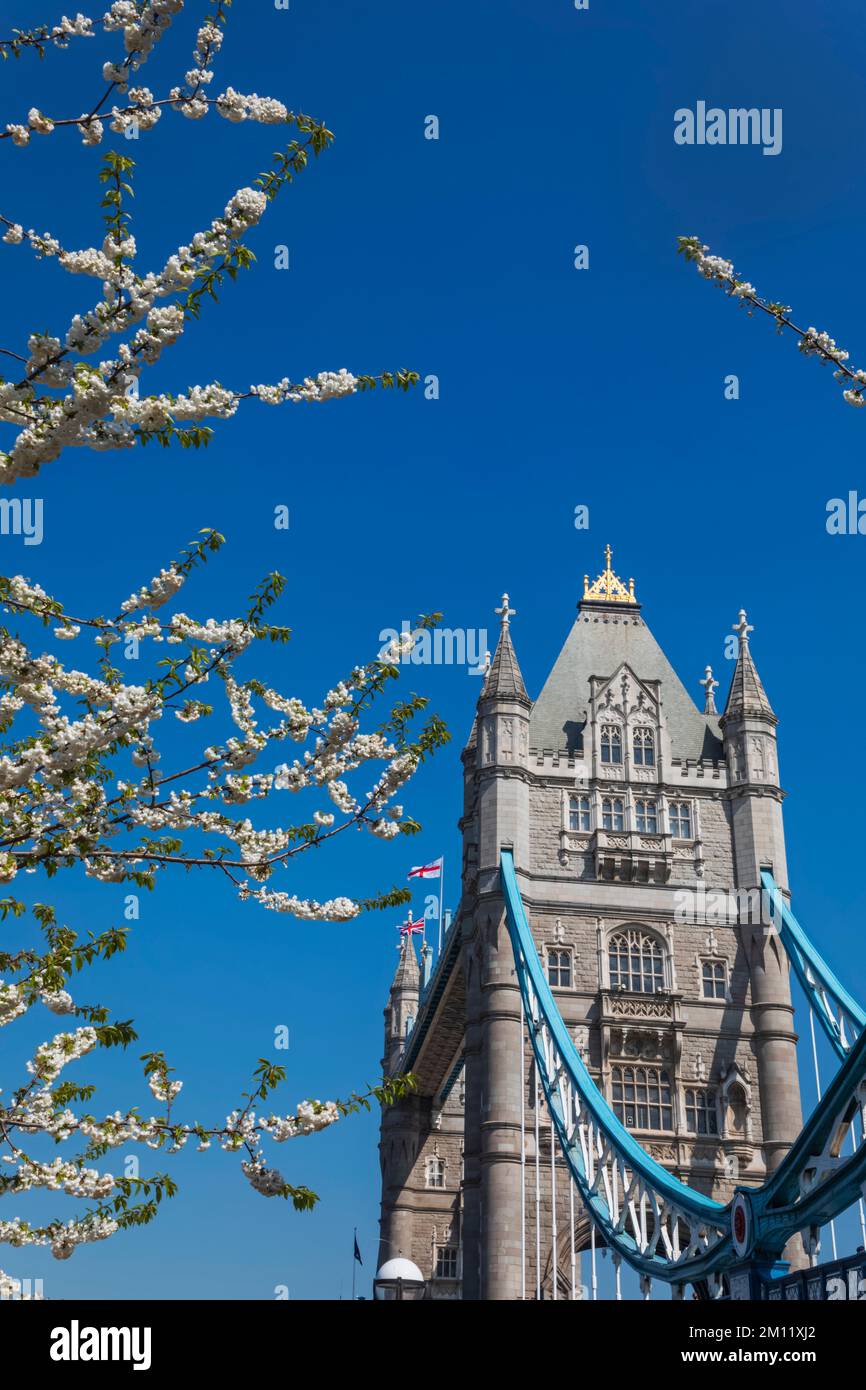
{"x":558,"y":387}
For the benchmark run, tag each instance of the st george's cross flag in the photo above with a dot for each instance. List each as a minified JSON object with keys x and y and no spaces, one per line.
{"x":433,"y":870}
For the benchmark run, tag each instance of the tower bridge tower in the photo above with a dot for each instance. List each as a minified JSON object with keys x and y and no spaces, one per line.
{"x":639,"y":825}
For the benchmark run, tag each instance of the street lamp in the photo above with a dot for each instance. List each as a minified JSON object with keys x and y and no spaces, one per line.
{"x":399,"y":1279}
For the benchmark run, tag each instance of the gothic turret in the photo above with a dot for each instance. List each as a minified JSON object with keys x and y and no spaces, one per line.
{"x":497,"y":814}
{"x":398,"y":1141}
{"x":749,"y":728}
{"x":502,"y":752}
{"x":402,"y":1005}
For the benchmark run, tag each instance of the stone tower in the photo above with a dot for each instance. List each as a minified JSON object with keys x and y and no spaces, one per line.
{"x":639,"y":825}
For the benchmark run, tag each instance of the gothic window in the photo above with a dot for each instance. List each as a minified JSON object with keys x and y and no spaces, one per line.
{"x":642,"y":1097}
{"x":611,"y":744}
{"x":612,"y":813}
{"x":579,"y":813}
{"x":714,"y":979}
{"x":646,"y":815}
{"x":680,"y":814}
{"x":701,"y":1111}
{"x":435,"y":1172}
{"x":644,"y":748}
{"x":446,"y":1262}
{"x":559,"y":968}
{"x":636,"y":962}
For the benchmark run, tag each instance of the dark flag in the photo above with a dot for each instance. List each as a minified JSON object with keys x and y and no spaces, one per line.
{"x":357,"y":1252}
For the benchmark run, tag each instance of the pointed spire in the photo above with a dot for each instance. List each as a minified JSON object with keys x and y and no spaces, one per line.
{"x":407,"y":976}
{"x":709,"y":691}
{"x":746,"y":695}
{"x":503,"y":677}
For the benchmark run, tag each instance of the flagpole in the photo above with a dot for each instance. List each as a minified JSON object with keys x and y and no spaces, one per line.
{"x":441,"y":899}
{"x":354,"y":1262}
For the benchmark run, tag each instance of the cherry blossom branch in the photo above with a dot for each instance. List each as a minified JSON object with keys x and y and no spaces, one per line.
{"x":143,"y":22}
{"x":65,"y":796}
{"x":101,"y":406}
{"x":812,"y":343}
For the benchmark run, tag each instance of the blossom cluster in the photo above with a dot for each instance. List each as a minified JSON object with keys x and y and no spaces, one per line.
{"x":142,"y":26}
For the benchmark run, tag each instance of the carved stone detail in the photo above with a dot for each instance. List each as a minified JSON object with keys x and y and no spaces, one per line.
{"x":640,"y":1006}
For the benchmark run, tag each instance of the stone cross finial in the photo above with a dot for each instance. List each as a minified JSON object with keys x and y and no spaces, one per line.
{"x":709,"y":690}
{"x":505,"y":612}
{"x":742,"y":628}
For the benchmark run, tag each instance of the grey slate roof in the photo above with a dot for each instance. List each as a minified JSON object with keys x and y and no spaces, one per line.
{"x":601,"y":639}
{"x":747,"y":695}
{"x":504,"y":677}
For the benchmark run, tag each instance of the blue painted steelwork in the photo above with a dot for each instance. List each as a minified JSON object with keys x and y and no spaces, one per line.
{"x":656,"y":1223}
{"x":839,"y":1015}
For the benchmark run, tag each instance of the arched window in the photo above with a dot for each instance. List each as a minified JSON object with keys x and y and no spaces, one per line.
{"x":611,"y":744}
{"x":644,"y":744}
{"x":612,"y":813}
{"x":642,"y":1097}
{"x":579,"y":813}
{"x":637,"y":962}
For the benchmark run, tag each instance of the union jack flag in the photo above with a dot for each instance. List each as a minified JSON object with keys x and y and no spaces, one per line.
{"x":409,"y":928}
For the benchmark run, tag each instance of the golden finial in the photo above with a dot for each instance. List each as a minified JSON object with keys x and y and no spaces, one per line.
{"x":608,"y":588}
